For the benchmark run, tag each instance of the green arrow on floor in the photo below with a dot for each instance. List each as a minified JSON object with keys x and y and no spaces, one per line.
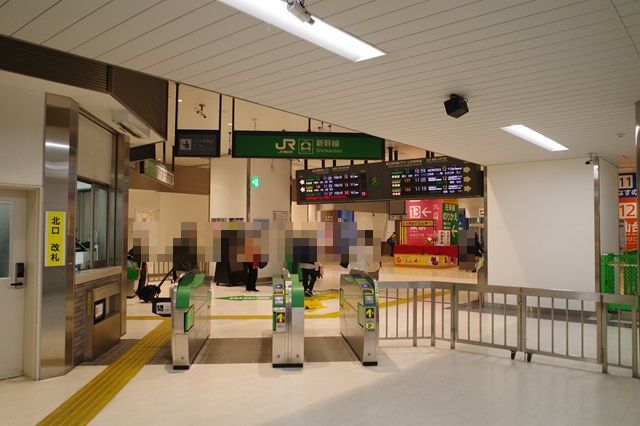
{"x":242,"y":298}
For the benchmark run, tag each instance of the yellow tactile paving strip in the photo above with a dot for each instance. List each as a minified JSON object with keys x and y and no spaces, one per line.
{"x":87,"y":402}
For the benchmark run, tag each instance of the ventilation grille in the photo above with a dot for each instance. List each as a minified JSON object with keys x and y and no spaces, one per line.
{"x":49,"y":64}
{"x":144,"y":95}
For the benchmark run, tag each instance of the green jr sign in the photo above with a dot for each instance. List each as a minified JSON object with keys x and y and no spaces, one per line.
{"x":339,"y":146}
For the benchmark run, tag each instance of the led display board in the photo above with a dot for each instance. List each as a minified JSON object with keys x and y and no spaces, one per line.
{"x":439,"y":177}
{"x":360,"y":182}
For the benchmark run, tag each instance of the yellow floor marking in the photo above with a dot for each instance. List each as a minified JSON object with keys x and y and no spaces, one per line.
{"x":87,"y":402}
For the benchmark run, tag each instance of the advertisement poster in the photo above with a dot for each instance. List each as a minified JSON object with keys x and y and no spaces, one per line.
{"x":424,"y":220}
{"x":627,"y":212}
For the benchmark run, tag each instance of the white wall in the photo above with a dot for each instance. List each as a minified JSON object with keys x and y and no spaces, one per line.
{"x":274,"y":192}
{"x":22,"y":135}
{"x":609,"y":239}
{"x":95,"y":149}
{"x":171,"y":210}
{"x":228,"y":187}
{"x":541,"y":225}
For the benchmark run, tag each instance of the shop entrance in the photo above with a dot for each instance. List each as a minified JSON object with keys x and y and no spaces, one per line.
{"x":13,"y":240}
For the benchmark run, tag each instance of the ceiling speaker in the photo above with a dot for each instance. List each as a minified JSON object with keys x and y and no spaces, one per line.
{"x":456,"y":106}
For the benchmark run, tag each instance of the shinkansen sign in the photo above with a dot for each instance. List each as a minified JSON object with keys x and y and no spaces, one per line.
{"x":339,"y":146}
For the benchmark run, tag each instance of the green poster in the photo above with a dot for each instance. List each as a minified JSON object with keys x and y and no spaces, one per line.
{"x":450,"y":221}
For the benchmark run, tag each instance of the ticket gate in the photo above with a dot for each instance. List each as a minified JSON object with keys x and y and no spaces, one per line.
{"x":190,"y":318}
{"x":287,"y":321}
{"x":359,"y":315}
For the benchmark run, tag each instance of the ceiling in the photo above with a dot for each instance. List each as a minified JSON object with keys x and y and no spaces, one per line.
{"x":567,"y":68}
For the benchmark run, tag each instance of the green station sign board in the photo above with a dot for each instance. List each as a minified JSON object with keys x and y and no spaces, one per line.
{"x":338,"y":146}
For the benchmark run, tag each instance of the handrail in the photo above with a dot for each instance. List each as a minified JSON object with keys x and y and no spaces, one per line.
{"x":564,"y":310}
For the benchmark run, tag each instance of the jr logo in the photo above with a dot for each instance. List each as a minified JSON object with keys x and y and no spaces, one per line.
{"x":286,"y":145}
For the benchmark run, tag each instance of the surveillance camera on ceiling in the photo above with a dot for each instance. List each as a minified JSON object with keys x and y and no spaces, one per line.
{"x":297,"y":9}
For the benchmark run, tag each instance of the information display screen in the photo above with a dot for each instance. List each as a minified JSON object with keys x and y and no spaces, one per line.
{"x":439,"y":177}
{"x":433,"y":177}
{"x":339,"y":184}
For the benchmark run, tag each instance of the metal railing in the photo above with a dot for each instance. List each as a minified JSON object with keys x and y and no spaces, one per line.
{"x":572,"y":325}
{"x":157,"y":270}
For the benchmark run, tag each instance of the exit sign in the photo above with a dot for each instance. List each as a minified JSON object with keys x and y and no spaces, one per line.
{"x":255,"y":181}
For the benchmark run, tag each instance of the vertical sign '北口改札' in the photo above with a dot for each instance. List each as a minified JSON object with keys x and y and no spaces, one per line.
{"x":55,"y":239}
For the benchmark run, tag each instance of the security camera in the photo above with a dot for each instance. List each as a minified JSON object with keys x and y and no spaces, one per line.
{"x":297,"y":9}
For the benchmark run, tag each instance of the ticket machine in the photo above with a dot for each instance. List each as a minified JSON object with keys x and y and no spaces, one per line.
{"x":359,"y":315}
{"x":287,"y":321}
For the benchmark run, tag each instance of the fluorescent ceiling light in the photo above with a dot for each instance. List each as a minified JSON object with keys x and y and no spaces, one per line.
{"x":320,"y":33}
{"x":534,"y":137}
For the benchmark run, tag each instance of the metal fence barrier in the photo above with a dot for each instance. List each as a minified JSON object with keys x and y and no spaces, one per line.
{"x":157,"y":270}
{"x":593,"y":327}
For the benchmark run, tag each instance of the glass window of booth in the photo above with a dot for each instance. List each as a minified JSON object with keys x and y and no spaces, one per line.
{"x":94,"y":229}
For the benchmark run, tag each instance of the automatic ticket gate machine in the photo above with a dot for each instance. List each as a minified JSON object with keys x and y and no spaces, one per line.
{"x":359,"y":315}
{"x":190,"y":318}
{"x":287,"y":321}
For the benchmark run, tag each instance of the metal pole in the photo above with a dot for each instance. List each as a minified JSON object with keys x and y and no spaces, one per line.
{"x":602,"y":327}
{"x":634,"y":339}
{"x":454,"y":315}
{"x":433,"y":315}
{"x":415,"y":316}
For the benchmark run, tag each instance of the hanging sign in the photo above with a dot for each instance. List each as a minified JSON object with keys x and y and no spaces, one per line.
{"x":342,"y":146}
{"x":197,"y":143}
{"x":433,"y":177}
{"x":627,"y":212}
{"x":55,"y":239}
{"x":157,"y":171}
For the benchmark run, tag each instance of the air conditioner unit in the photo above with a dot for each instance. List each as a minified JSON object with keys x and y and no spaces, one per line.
{"x":130,"y":124}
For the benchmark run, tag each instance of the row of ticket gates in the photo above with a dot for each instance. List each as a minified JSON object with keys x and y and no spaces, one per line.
{"x":189,"y":306}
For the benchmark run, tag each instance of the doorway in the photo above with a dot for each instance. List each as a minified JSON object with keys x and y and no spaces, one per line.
{"x":13,"y":248}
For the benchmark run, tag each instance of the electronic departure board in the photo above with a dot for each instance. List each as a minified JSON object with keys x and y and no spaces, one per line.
{"x":433,"y":177}
{"x":439,"y":177}
{"x":339,"y":184}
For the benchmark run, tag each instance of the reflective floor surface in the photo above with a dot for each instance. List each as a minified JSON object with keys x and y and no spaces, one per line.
{"x":410,"y":386}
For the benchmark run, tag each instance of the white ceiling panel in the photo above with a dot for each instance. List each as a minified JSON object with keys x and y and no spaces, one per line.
{"x":98,"y":22}
{"x":60,"y":16}
{"x":14,"y":14}
{"x":173,"y":54}
{"x":136,"y":25}
{"x":195,"y":20}
{"x":567,"y":68}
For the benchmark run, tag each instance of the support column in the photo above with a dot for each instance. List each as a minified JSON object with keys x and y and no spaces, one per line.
{"x":60,"y":174}
{"x":593,"y":159}
{"x":637,"y":141}
{"x":483,"y":273}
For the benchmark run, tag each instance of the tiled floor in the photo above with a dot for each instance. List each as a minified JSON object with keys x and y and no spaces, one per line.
{"x":421,"y":385}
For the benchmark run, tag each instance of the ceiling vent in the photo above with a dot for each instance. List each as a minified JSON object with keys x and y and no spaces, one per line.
{"x":130,"y":124}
